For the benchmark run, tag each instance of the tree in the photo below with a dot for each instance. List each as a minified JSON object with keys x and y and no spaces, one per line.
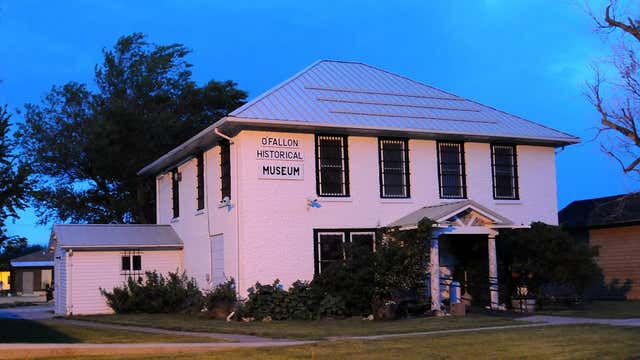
{"x":14,"y":185}
{"x":547,"y":255}
{"x":619,"y":115}
{"x":87,"y":146}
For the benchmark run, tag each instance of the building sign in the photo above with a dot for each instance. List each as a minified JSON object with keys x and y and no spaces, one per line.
{"x":280,"y":158}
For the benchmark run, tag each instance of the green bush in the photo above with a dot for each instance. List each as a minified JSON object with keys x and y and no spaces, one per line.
{"x":221,"y":300}
{"x":173,"y":293}
{"x":266,"y":300}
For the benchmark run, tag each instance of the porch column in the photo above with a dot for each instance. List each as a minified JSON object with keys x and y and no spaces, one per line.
{"x":493,"y":272}
{"x":434,"y":269}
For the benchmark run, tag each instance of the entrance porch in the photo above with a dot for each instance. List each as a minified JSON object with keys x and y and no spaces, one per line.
{"x":455,"y":220}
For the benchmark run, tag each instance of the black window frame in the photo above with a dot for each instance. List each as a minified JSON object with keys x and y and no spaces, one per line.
{"x":200,"y":195}
{"x":514,"y":174}
{"x":405,"y":168}
{"x":461,"y":165}
{"x":175,"y":193}
{"x":131,"y":263}
{"x":345,"y":165}
{"x":347,"y":237}
{"x":225,"y":169}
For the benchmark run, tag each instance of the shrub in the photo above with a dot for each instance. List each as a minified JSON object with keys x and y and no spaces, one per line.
{"x":266,"y":300}
{"x":302,"y":301}
{"x":173,"y":293}
{"x":221,"y":300}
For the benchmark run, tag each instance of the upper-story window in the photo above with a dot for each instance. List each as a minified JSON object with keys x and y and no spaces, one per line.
{"x":225,"y":169}
{"x":200,"y":180}
{"x":332,"y":165}
{"x":451,"y":170}
{"x":505,"y":171}
{"x":175,"y":192}
{"x":394,"y":168}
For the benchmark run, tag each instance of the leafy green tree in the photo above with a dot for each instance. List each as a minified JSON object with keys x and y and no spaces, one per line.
{"x":14,"y":185}
{"x":86,"y":146}
{"x":546,"y":254}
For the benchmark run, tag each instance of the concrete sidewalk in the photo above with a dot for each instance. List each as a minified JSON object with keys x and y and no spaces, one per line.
{"x":34,"y":312}
{"x":569,"y":320}
{"x":236,"y":338}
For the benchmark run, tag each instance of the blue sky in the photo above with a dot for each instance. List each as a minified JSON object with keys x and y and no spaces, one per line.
{"x":528,"y":57}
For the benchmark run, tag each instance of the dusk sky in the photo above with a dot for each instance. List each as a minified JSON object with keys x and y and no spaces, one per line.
{"x":530,"y":58}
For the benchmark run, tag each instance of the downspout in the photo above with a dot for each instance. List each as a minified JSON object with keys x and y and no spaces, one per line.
{"x":237,"y":181}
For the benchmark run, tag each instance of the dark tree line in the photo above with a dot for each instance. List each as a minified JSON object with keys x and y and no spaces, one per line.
{"x":85,"y":146}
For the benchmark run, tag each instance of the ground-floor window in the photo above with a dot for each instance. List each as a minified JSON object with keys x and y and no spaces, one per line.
{"x":331,"y":245}
{"x":131,"y":263}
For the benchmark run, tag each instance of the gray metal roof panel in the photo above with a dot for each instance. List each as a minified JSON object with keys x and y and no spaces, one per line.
{"x":356,"y":94}
{"x":115,"y":235}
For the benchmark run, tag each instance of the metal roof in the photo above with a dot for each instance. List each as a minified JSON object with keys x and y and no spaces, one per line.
{"x":444,"y":211}
{"x":116,"y":236}
{"x":358,"y":99}
{"x":356,"y":94}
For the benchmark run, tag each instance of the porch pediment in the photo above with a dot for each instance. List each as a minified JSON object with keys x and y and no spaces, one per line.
{"x":466,"y":213}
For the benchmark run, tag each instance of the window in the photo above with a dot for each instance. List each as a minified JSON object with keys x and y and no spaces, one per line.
{"x":131,"y":263}
{"x":394,"y":168}
{"x":505,"y":171}
{"x":126,"y":263}
{"x":200,"y":180}
{"x":335,"y":246}
{"x":451,"y":170}
{"x":332,"y":166}
{"x":225,"y":169}
{"x":175,"y":192}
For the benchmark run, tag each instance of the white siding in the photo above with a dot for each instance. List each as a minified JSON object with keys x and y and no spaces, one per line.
{"x":60,"y":281}
{"x":268,"y":233}
{"x":92,"y":270}
{"x":217,"y":260}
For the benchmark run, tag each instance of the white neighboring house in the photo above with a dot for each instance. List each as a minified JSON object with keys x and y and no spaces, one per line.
{"x":279,"y":186}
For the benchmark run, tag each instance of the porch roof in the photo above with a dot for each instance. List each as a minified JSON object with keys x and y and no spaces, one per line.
{"x":444,"y":212}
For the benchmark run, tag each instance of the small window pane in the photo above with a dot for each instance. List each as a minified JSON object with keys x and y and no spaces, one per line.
{"x":126,"y":263}
{"x":225,"y":169}
{"x":175,"y":192}
{"x":330,"y":249}
{"x":137,"y":263}
{"x":362,"y":244}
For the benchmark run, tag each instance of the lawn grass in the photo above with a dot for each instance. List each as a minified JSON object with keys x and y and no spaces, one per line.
{"x":51,"y":331}
{"x":290,"y":329}
{"x":600,"y":309}
{"x":549,"y":342}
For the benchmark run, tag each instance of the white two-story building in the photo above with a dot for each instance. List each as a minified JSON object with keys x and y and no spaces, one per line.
{"x":278,"y":187}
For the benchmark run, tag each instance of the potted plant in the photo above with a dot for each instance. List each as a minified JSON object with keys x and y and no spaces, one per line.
{"x":523,"y":301}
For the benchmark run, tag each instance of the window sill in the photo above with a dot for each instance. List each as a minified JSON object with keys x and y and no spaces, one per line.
{"x":450,"y":200}
{"x":335,"y":199}
{"x":507,"y":202}
{"x":175,"y":220}
{"x":396,"y":201}
{"x":200,"y":212}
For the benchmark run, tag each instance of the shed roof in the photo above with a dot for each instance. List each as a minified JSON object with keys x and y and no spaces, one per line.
{"x":442,"y":212}
{"x":114,"y":236}
{"x":601,"y":212}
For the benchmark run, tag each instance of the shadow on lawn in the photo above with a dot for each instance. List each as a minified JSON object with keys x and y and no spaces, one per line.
{"x":27,"y":331}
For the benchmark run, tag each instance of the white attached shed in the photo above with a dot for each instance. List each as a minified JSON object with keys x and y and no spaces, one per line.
{"x":93,"y":257}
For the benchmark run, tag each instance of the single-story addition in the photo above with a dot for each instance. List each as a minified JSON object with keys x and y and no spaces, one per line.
{"x":32,"y":274}
{"x":613,"y":224}
{"x":93,"y":257}
{"x":280,"y":186}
